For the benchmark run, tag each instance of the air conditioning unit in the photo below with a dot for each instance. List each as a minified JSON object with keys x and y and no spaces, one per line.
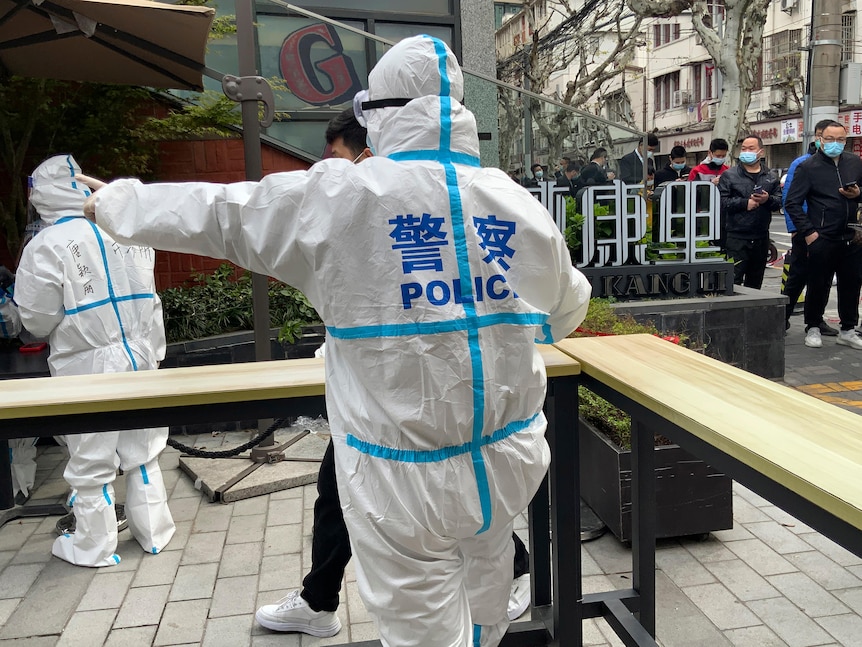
{"x":777,"y":97}
{"x":712,"y":111}
{"x":680,"y":98}
{"x":787,"y":5}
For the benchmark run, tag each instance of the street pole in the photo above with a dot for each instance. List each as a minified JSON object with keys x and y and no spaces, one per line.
{"x":824,"y":63}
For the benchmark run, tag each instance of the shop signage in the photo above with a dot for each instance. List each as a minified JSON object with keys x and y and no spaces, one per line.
{"x":691,"y":142}
{"x":613,"y":253}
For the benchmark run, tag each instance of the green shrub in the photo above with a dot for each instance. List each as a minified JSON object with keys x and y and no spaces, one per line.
{"x":217,"y":303}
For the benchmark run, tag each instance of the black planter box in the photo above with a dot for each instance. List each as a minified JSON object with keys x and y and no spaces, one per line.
{"x":691,"y":497}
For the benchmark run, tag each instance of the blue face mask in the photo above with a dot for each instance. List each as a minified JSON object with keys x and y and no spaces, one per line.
{"x":370,"y":146}
{"x":817,"y":144}
{"x":678,"y":167}
{"x":748,"y":157}
{"x":718,"y":161}
{"x":833,"y":149}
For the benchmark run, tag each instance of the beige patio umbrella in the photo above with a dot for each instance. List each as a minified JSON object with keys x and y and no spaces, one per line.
{"x":132,"y":42}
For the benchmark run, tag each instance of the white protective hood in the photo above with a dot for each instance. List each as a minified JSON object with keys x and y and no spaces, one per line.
{"x":55,"y":192}
{"x":411,"y":70}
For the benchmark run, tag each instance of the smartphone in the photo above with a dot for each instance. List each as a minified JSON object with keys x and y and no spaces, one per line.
{"x":35,"y":347}
{"x":759,"y":189}
{"x":850,"y":185}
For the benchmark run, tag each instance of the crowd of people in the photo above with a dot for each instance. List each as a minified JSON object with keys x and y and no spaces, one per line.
{"x":825,"y":250}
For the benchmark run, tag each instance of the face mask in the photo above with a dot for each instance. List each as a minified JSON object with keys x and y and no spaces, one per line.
{"x":748,"y":157}
{"x":817,"y":144}
{"x":539,"y":174}
{"x":649,"y":154}
{"x":358,"y":157}
{"x":718,"y":161}
{"x":370,"y":147}
{"x":678,"y":167}
{"x":833,"y":149}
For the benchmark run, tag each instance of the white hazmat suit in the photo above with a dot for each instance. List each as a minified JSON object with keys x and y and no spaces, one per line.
{"x":95,"y":300}
{"x":434,"y":277}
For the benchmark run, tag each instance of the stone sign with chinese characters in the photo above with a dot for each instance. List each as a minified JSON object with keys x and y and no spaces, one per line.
{"x":631,"y":249}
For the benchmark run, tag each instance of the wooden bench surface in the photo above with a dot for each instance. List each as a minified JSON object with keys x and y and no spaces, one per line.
{"x":173,"y":387}
{"x":810,"y":447}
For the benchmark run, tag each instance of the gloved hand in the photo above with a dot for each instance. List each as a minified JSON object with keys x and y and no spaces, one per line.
{"x":6,"y":278}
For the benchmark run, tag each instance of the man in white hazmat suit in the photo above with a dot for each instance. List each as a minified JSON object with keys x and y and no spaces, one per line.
{"x":95,"y":300}
{"x":434,"y":278}
{"x":22,"y":451}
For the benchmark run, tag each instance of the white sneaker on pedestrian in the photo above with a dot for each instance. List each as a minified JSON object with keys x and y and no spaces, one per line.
{"x":850,"y":338}
{"x":292,"y":613}
{"x":519,"y":598}
{"x":812,"y":338}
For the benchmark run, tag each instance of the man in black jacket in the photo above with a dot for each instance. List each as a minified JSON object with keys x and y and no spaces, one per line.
{"x":632,"y":164}
{"x":828,"y":182}
{"x":676,"y":168}
{"x":749,"y":195}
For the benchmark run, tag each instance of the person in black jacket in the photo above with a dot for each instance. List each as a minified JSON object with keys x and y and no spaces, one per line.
{"x":749,"y":195}
{"x":828,"y":182}
{"x":676,"y":168}
{"x":595,"y":173}
{"x":632,"y":164}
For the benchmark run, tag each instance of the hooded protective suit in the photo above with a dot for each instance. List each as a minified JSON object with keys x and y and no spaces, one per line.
{"x":96,"y":302}
{"x":434,"y":277}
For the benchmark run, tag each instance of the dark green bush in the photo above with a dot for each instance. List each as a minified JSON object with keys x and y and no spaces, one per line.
{"x":217,"y":303}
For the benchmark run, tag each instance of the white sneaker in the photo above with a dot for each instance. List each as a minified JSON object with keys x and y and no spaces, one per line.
{"x":850,"y":338}
{"x":292,"y":613}
{"x":519,"y":598}
{"x":812,"y":338}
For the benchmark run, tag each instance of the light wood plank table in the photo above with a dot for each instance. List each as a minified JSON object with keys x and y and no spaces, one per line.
{"x":276,"y":389}
{"x":802,"y":454}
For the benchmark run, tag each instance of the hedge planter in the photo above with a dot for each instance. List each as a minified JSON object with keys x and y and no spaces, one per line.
{"x":691,"y":497}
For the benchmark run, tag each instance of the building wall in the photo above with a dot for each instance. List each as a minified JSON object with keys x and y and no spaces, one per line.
{"x":217,"y":160}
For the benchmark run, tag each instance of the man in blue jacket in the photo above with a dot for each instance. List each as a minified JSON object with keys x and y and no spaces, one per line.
{"x":828,"y":183}
{"x":749,"y":195}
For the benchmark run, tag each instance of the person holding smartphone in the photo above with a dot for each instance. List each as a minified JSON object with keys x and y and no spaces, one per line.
{"x":749,"y":195}
{"x":828,"y":183}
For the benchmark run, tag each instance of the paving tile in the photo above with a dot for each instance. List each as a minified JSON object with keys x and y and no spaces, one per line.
{"x":59,"y":587}
{"x":130,"y":552}
{"x":610,"y":554}
{"x":737,"y":533}
{"x":679,"y":622}
{"x":282,"y":539}
{"x":183,"y":622}
{"x":162,"y":569}
{"x":807,"y":594}
{"x":742,"y":580}
{"x":787,"y":520}
{"x":204,"y":547}
{"x":720,"y":606}
{"x":761,"y":557}
{"x":709,"y":550}
{"x":6,"y":609}
{"x":14,"y":535}
{"x":355,"y":607}
{"x":589,"y":566}
{"x":106,"y":591}
{"x":744,"y":512}
{"x":682,"y":568}
{"x":6,"y":557}
{"x":851,"y":597}
{"x":363,"y":631}
{"x":17,"y":579}
{"x":240,"y":559}
{"x":183,"y":488}
{"x":142,"y":606}
{"x":833,"y":551}
{"x":591,"y":634}
{"x":777,"y":537}
{"x":184,"y":509}
{"x":824,"y":571}
{"x":131,"y":637}
{"x":754,"y":499}
{"x":285,"y":511}
{"x":234,"y":631}
{"x":250,"y":506}
{"x":760,"y":636}
{"x":272,"y":639}
{"x":234,"y":596}
{"x":36,"y":549}
{"x":246,"y":529}
{"x":181,"y":536}
{"x":40,"y":641}
{"x":194,"y":581}
{"x":789,"y":623}
{"x":87,"y":628}
{"x":212,"y":517}
{"x":847,"y":628}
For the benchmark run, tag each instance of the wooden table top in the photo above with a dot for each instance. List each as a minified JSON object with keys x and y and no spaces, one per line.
{"x":811,"y":447}
{"x":174,"y":387}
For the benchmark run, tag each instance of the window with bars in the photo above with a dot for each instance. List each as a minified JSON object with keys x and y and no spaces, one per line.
{"x":848,"y":30}
{"x":782,"y":56}
{"x":666,"y":33}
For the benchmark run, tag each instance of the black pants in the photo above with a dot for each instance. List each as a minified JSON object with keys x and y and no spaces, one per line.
{"x":797,"y":275}
{"x":330,"y":543}
{"x":825,"y":258}
{"x":749,"y":260}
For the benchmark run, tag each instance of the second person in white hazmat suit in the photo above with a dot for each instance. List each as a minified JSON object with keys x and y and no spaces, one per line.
{"x":96,"y":302}
{"x":434,"y":278}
